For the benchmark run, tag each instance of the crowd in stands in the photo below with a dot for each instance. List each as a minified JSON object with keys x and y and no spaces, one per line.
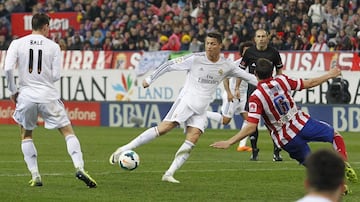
{"x":151,"y":25}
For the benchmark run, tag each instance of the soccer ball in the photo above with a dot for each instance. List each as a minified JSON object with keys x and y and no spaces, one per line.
{"x":129,"y":160}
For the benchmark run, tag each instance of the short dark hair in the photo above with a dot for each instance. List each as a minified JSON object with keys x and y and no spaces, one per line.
{"x":325,"y":170}
{"x":39,"y":20}
{"x":264,"y":68}
{"x":216,"y":35}
{"x":244,"y":45}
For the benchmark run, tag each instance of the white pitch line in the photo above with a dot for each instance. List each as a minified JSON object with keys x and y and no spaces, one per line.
{"x":158,"y":171}
{"x":188,"y":162}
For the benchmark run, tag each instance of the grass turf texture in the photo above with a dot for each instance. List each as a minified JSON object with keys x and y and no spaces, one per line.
{"x":208,"y":175}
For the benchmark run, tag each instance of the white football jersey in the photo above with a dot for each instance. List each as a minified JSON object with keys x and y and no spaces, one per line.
{"x":38,"y":60}
{"x":202,"y":79}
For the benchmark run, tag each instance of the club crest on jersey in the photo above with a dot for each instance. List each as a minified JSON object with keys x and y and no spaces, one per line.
{"x":252,"y":107}
{"x":221,"y":72}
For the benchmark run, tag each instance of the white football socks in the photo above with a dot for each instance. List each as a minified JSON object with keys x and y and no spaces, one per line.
{"x":143,"y":138}
{"x":74,"y":150}
{"x":30,"y":156}
{"x":242,"y":143}
{"x":180,"y":157}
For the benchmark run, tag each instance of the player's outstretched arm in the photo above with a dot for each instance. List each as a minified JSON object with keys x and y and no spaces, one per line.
{"x":246,"y":131}
{"x":332,"y":73}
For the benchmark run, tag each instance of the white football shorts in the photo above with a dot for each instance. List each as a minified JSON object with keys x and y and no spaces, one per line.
{"x":53,"y":113}
{"x":236,"y":107}
{"x":180,"y":112}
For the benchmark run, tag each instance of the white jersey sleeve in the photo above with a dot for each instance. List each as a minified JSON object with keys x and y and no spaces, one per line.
{"x":10,"y":61}
{"x":183,"y":63}
{"x":243,"y":75}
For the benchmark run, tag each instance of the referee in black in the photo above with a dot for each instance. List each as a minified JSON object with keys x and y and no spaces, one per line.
{"x":260,"y":50}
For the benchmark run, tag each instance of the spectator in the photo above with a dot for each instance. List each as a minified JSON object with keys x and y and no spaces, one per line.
{"x":173,"y":43}
{"x":131,"y":45}
{"x":334,"y":23}
{"x":153,"y":45}
{"x":270,"y":14}
{"x":107,"y":44}
{"x":69,"y":43}
{"x":305,"y":43}
{"x":245,"y":35}
{"x":4,"y":45}
{"x":344,"y":41}
{"x":97,"y":37}
{"x":93,"y":10}
{"x":62,"y":44}
{"x":195,"y":45}
{"x":185,"y":42}
{"x":77,"y":36}
{"x":332,"y":44}
{"x":142,"y":45}
{"x":317,"y":13}
{"x":277,"y":43}
{"x":120,"y":44}
{"x":313,"y":34}
{"x":76,"y":43}
{"x":228,"y":46}
{"x":17,"y":6}
{"x":320,"y":45}
{"x":87,"y":45}
{"x":288,"y":45}
{"x":4,"y":12}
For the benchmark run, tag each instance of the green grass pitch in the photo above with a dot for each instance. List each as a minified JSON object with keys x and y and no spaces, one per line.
{"x":208,"y":175}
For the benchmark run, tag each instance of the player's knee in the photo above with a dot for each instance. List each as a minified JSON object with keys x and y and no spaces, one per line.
{"x":226,"y":120}
{"x":166,"y":126}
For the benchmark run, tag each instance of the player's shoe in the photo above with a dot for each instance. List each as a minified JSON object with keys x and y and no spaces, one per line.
{"x":112,"y":158}
{"x":115,"y":156}
{"x":86,"y":178}
{"x":350,"y":173}
{"x":243,"y":148}
{"x":347,"y":190}
{"x":254,"y":156}
{"x":277,"y":157}
{"x":169,"y":178}
{"x":35,"y":182}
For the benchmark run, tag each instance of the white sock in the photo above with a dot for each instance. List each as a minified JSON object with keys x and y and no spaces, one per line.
{"x":30,"y":156}
{"x":143,"y":138}
{"x":74,"y":150}
{"x":180,"y":157}
{"x":242,"y":143}
{"x":214,"y":116}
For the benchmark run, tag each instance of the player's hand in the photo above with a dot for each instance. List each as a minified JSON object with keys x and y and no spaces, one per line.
{"x":230,"y":96}
{"x":145,"y":84}
{"x":221,"y":145}
{"x":334,"y":72}
{"x":14,"y":97}
{"x":237,"y":93}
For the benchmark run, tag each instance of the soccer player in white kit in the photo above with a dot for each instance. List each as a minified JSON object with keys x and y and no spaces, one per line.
{"x":234,"y":100}
{"x":38,"y":61}
{"x":205,"y":71}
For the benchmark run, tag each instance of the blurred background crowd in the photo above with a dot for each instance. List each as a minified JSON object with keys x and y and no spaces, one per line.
{"x":151,"y":25}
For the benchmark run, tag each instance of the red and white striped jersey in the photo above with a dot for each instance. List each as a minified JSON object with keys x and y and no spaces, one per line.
{"x":273,"y":102}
